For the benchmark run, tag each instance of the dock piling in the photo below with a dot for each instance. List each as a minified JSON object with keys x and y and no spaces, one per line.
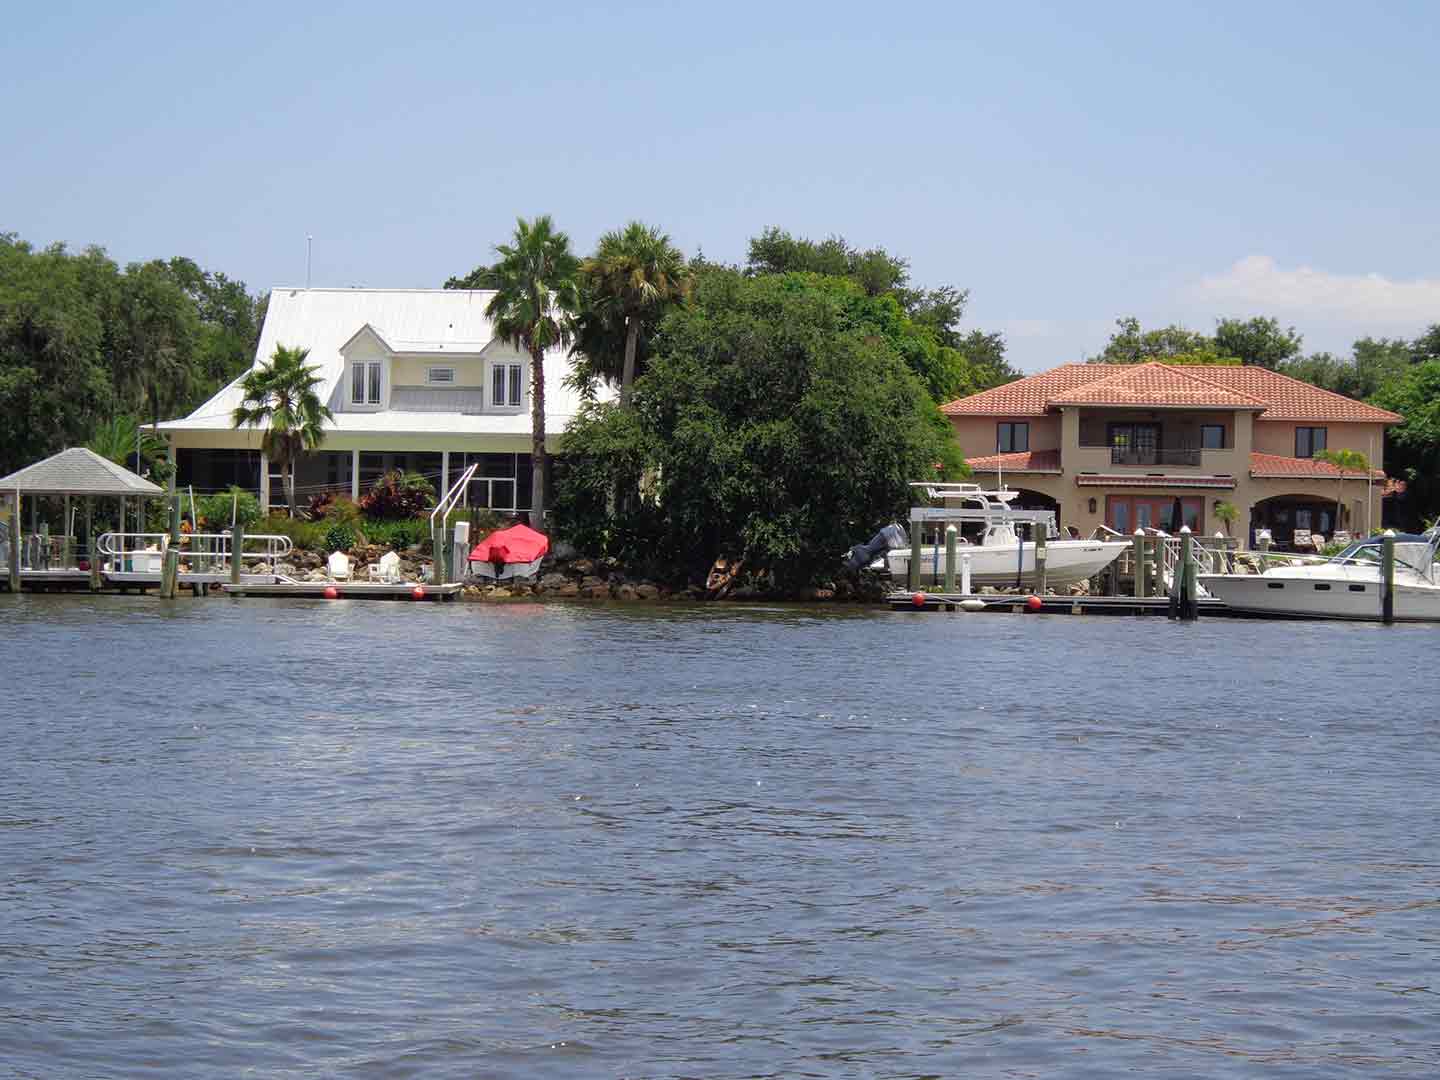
{"x":1387,"y":577}
{"x":914,"y":575}
{"x":1139,"y":558}
{"x":237,"y":550}
{"x":1042,"y":576}
{"x":15,"y":543}
{"x":952,"y":535}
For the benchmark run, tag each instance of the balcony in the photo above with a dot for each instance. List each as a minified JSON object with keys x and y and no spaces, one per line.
{"x":1101,"y":458}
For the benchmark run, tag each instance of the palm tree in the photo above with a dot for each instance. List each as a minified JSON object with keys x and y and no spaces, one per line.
{"x":282,"y":397}
{"x":1346,"y":461}
{"x":535,"y":306}
{"x":634,"y":273}
{"x":1226,"y":512}
{"x":119,"y":439}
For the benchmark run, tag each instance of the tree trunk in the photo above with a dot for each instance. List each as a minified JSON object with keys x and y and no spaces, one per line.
{"x":537,"y":439}
{"x":632,"y":344}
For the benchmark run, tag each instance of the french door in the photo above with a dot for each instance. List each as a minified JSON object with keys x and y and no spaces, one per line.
{"x":1126,"y":513}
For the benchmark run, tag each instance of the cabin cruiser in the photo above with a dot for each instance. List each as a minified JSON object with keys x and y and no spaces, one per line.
{"x":990,"y":538}
{"x":1344,"y":586}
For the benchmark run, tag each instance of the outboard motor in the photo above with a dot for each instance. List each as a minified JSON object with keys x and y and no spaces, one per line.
{"x":862,"y":555}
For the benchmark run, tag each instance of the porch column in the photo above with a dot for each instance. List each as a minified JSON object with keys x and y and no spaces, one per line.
{"x":172,"y":458}
{"x":264,"y":483}
{"x":444,"y":473}
{"x":354,"y":475}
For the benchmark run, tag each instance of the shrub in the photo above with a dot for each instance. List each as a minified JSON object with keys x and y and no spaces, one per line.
{"x":397,"y":496}
{"x":339,"y":537}
{"x":309,"y":535}
{"x":214,"y":510}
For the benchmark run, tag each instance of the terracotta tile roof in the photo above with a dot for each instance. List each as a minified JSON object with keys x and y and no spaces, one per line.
{"x":1274,"y":465}
{"x":1169,"y":385}
{"x":1158,"y":386}
{"x":1032,"y":461}
{"x":1029,"y":396}
{"x":1166,"y":481}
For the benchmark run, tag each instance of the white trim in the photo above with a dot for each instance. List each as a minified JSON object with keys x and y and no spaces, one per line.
{"x":448,"y":375}
{"x":380,"y":401}
{"x":509,"y":383}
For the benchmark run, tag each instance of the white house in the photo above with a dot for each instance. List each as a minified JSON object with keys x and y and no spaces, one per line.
{"x":416,"y":380}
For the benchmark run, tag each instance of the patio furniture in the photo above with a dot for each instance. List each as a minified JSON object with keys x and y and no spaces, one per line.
{"x":337,"y":567}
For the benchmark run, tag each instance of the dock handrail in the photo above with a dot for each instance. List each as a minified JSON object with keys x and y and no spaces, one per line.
{"x":126,"y":547}
{"x":452,"y":497}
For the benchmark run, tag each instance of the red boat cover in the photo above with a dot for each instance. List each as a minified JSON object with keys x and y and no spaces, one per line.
{"x":517,"y":544}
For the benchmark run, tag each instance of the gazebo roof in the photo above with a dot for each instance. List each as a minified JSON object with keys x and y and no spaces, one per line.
{"x":77,"y":471}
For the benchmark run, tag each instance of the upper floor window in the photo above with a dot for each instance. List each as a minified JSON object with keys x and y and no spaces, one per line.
{"x":1010,"y":438}
{"x":366,"y":381}
{"x":1212,"y":436}
{"x":1309,"y":441}
{"x":440,"y":376}
{"x":505,"y":384}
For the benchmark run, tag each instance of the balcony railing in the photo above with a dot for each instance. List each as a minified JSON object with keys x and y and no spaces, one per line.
{"x":1137,"y":455}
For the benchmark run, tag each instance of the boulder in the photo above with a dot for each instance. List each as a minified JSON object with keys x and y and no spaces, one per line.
{"x":817,"y":594}
{"x":595,"y":589}
{"x":625,"y":591}
{"x":647,"y":591}
{"x":552,"y":581}
{"x":565,"y":588}
{"x":582,"y":567}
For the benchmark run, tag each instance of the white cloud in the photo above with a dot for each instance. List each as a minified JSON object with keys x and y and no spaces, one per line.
{"x":1258,"y":284}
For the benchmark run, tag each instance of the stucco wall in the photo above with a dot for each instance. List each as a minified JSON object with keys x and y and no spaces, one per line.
{"x":976,"y":434}
{"x":1278,"y":437}
{"x":1075,"y":510}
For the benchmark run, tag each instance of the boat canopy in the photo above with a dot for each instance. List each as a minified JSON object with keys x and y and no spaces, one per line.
{"x":517,"y":544}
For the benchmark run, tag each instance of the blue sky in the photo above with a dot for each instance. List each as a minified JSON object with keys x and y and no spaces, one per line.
{"x":1067,"y":163}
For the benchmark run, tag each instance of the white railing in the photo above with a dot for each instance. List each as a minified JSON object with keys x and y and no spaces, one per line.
{"x":451,"y":498}
{"x":143,"y":553}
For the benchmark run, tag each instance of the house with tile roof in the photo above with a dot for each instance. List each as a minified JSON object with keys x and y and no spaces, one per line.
{"x":1140,"y":445}
{"x":416,"y":380}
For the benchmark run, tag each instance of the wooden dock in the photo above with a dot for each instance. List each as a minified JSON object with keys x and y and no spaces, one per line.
{"x":1048,"y":605}
{"x":346,"y":590}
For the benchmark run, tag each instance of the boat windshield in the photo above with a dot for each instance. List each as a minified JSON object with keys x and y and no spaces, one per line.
{"x":1362,"y":551}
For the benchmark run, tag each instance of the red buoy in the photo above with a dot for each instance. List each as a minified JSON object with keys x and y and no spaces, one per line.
{"x":1033,"y":603}
{"x":418,"y":592}
{"x":331,"y":593}
{"x":918,"y":599}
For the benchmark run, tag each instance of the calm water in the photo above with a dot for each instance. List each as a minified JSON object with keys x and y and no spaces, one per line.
{"x":272,"y":839}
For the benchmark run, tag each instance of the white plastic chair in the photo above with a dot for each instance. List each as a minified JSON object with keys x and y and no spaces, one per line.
{"x":338,"y":566}
{"x":387,"y":569}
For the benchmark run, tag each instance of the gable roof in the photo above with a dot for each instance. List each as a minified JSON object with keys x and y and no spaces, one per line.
{"x":78,"y":471}
{"x":1157,"y":385}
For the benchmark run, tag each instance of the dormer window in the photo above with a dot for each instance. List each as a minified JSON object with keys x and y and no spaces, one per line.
{"x":506,"y":385}
{"x":367,"y":378}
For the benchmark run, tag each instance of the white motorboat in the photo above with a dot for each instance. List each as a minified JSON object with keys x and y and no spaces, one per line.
{"x":1345,"y":586}
{"x":990,"y":540}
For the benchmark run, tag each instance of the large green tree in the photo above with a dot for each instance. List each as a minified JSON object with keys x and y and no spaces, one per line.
{"x":1412,"y":449}
{"x":777,"y":423}
{"x":281,"y":396}
{"x":1259,"y":341}
{"x":535,"y":307}
{"x":633,"y":276}
{"x":82,"y":340}
{"x":1131,"y":344}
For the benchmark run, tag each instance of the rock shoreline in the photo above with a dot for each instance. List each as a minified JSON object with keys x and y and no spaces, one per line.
{"x":577,"y":578}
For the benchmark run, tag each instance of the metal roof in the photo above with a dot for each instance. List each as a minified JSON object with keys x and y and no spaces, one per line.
{"x":77,"y":471}
{"x":416,"y":321}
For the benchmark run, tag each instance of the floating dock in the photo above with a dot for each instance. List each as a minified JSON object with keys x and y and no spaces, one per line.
{"x":346,"y":590}
{"x":1047,"y":605}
